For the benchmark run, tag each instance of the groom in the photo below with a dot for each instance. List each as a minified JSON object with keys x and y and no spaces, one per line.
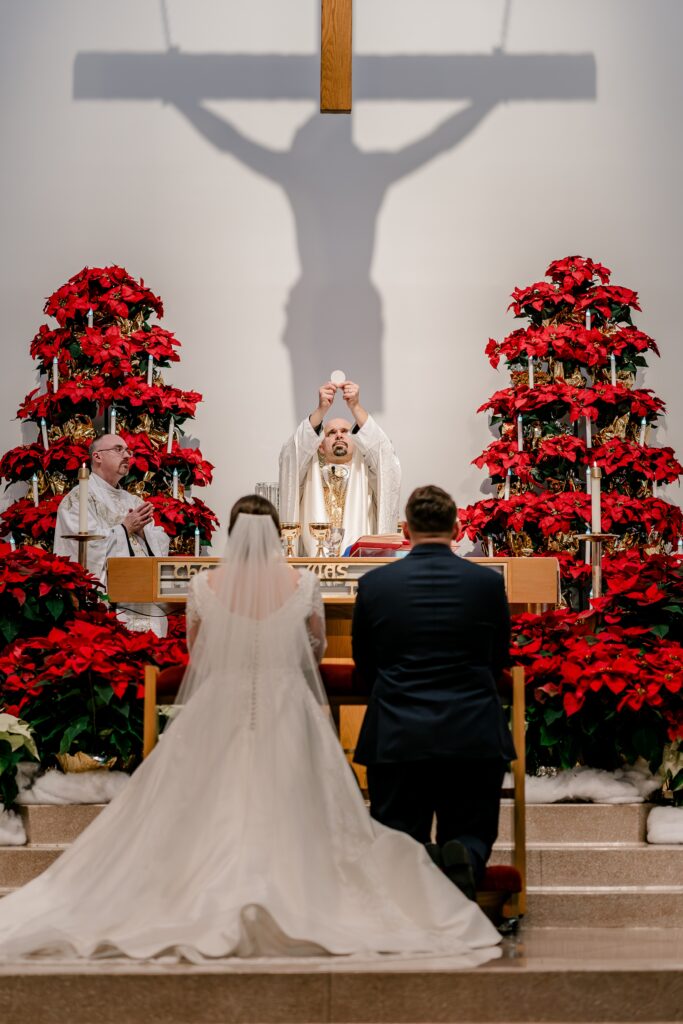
{"x":431,"y":635}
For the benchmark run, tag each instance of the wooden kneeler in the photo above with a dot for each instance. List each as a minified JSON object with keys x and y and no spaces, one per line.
{"x":342,"y":690}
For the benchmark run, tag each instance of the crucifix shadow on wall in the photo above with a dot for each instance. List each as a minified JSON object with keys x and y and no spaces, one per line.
{"x":335,"y":190}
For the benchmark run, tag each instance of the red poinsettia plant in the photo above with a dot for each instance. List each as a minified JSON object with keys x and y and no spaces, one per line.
{"x":39,"y":590}
{"x":31,"y":524}
{"x":106,"y":291}
{"x":179,"y":519}
{"x":80,"y":688}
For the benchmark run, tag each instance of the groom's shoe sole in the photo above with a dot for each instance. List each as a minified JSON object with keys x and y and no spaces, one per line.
{"x":456,"y":865}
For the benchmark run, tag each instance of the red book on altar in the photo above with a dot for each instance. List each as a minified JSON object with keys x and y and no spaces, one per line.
{"x":385,"y":545}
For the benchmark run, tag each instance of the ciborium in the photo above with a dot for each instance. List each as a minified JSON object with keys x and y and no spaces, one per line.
{"x":320,"y":532}
{"x":333,"y":541}
{"x":289,"y":533}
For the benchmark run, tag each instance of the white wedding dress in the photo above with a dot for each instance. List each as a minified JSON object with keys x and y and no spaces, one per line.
{"x":244,"y":834}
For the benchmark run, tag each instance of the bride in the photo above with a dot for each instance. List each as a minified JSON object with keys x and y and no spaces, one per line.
{"x":244,"y":833}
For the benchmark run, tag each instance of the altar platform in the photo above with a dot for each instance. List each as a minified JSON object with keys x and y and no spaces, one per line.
{"x":602,"y":941}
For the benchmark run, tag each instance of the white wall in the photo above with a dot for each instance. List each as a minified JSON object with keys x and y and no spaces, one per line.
{"x":379,"y":244}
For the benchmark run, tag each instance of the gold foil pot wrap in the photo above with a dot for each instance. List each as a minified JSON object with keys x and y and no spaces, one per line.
{"x":128,"y":327}
{"x":655,"y":543}
{"x":519,"y":378}
{"x":624,"y":542}
{"x":517,"y":486}
{"x":158,"y":437}
{"x":57,"y":482}
{"x":626,"y":378}
{"x":541,"y":377}
{"x":576,"y":379}
{"x":564,"y":542}
{"x":43,"y":483}
{"x":142,"y":487}
{"x":520,"y":543}
{"x":82,"y":762}
{"x":554,"y":485}
{"x":181,"y":546}
{"x":617,"y":428}
{"x":79,"y":429}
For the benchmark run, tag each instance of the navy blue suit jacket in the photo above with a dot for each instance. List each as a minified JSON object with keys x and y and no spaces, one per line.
{"x":431,"y":635}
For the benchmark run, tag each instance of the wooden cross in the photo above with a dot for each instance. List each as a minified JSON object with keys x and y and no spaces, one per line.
{"x":335,"y":57}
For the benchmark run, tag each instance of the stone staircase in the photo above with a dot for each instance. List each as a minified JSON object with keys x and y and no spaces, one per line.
{"x":587,"y":864}
{"x":602,"y":942}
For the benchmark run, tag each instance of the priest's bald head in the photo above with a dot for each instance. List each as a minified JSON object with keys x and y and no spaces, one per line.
{"x":110,"y":458}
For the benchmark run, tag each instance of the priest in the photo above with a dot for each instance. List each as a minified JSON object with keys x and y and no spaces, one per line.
{"x":124,"y":521}
{"x":342,"y":472}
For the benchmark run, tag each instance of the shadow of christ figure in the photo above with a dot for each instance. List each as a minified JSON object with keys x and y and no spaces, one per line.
{"x":335,"y":190}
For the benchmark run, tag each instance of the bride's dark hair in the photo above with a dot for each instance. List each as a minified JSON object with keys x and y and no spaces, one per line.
{"x":253,"y":505}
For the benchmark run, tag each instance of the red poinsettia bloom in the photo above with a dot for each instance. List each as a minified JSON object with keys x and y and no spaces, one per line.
{"x":158,"y":343}
{"x":575,"y":271}
{"x":106,"y":346}
{"x":179,"y":518}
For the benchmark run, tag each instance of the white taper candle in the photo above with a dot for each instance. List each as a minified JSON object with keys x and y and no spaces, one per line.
{"x":55,"y":374}
{"x":83,"y":499}
{"x":197,"y":542}
{"x":531,"y":371}
{"x":175,"y":483}
{"x":588,"y":479}
{"x":13,"y":543}
{"x":588,"y":319}
{"x":150,"y":370}
{"x":613,"y":369}
{"x":643,"y":428}
{"x":112,"y":420}
{"x":90,"y":318}
{"x":508,"y":477}
{"x":520,"y":433}
{"x":596,"y":511}
{"x":589,"y":433}
{"x":587,"y":553}
{"x":43,"y":433}
{"x":679,"y":546}
{"x":169,"y":443}
{"x":34,"y":489}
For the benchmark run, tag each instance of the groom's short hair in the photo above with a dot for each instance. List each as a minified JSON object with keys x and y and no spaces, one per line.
{"x":431,"y":510}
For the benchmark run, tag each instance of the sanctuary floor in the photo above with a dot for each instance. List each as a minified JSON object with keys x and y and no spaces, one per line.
{"x":545,"y":974}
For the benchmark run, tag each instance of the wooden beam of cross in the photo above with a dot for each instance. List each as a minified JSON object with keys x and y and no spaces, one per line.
{"x":335,"y":57}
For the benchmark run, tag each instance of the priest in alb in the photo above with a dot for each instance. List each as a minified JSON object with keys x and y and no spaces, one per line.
{"x":343,"y":473}
{"x":124,"y":521}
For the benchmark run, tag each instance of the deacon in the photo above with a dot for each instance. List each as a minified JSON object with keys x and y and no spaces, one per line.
{"x":124,"y":522}
{"x":343,"y":473}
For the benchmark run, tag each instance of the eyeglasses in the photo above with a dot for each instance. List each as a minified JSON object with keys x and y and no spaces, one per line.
{"x":118,"y":448}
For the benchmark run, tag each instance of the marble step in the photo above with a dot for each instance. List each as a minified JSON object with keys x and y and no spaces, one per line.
{"x":548,"y":865}
{"x":578,"y":823}
{"x":546,"y":823}
{"x":549,"y":975}
{"x":598,"y":864}
{"x":639,"y":907}
{"x":57,"y":823}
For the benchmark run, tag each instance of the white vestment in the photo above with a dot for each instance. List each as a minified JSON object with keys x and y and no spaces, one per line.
{"x":373,"y":492}
{"x":107,"y":508}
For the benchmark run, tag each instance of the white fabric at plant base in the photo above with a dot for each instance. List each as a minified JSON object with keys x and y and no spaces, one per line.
{"x":244,"y":833}
{"x":665,"y":825}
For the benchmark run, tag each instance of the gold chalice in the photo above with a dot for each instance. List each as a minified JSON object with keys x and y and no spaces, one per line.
{"x":320,"y":532}
{"x":289,"y":533}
